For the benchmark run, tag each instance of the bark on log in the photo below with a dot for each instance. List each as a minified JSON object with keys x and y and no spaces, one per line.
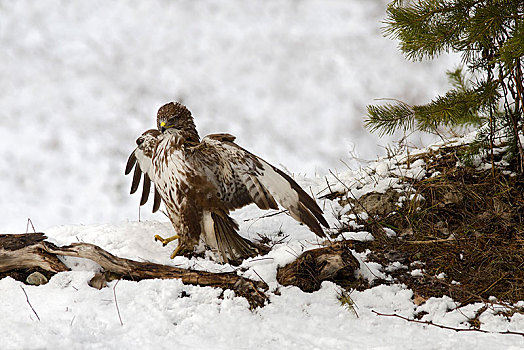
{"x":30,"y":250}
{"x":335,"y":263}
{"x":24,"y":251}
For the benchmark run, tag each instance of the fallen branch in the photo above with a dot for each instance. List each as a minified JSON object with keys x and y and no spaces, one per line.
{"x":429,"y":323}
{"x":29,"y":251}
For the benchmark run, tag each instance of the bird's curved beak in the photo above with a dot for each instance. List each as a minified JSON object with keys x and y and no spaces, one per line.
{"x":163,"y":127}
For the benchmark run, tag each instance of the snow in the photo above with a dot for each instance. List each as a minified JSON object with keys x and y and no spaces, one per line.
{"x":81,"y":80}
{"x":359,"y":236}
{"x":389,"y":232}
{"x":156,"y":314}
{"x":417,"y":273}
{"x":167,"y":313}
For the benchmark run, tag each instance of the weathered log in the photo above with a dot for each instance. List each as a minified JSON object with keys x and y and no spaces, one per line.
{"x":335,"y":263}
{"x":137,"y":270}
{"x":24,"y":251}
{"x":30,"y":250}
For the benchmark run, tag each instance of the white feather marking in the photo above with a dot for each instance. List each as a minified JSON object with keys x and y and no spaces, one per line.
{"x":208,"y":229}
{"x":278,"y":186}
{"x":144,"y":162}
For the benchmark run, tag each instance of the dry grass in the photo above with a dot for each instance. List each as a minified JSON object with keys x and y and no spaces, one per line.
{"x":470,"y":226}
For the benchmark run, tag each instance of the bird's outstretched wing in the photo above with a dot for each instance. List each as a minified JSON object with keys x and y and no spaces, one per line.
{"x":141,"y":159}
{"x":242,"y":178}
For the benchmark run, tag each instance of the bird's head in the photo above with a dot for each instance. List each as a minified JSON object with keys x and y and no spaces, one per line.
{"x":174,"y":116}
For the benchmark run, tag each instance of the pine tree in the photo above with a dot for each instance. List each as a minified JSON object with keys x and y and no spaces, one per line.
{"x":489,"y":35}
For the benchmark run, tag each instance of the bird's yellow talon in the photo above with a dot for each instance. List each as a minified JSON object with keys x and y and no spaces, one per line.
{"x":165,"y":241}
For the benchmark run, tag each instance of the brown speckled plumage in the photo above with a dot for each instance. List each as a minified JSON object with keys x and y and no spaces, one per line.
{"x":201,"y":181}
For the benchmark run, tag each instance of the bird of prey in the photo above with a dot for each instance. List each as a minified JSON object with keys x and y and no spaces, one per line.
{"x":201,"y":181}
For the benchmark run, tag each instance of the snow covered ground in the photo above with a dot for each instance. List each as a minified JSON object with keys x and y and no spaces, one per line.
{"x":291,"y":79}
{"x":158,"y":314}
{"x":81,"y":80}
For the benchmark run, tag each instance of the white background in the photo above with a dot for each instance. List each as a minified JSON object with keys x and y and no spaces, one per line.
{"x":81,"y":80}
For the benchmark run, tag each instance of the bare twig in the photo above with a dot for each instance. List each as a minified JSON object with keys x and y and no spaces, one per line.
{"x":116,"y":303}
{"x":256,"y":273}
{"x":453,"y":239}
{"x":267,"y":215}
{"x":31,"y":306}
{"x":27,"y":226}
{"x":429,"y":323}
{"x":328,"y":186}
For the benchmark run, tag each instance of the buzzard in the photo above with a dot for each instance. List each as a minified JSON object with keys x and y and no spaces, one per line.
{"x":201,"y":181}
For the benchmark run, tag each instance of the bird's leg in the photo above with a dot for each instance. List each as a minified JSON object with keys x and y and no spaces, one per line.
{"x":176,"y":251}
{"x":165,"y":241}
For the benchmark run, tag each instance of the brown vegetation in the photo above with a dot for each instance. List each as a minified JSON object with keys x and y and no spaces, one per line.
{"x":469,"y":226}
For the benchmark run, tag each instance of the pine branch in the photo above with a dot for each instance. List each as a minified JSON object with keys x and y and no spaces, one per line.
{"x":457,"y":107}
{"x":489,"y":35}
{"x":513,"y":49}
{"x":390,"y":117}
{"x":426,"y":28}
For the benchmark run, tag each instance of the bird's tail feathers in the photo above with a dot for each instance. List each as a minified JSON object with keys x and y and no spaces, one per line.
{"x":229,"y":243}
